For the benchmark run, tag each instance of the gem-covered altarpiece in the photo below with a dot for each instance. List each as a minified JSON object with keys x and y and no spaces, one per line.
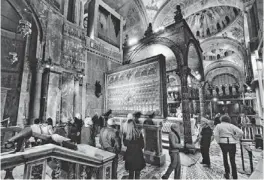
{"x":139,"y":86}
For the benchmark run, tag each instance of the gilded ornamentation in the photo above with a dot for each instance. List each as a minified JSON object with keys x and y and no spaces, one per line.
{"x":135,"y":89}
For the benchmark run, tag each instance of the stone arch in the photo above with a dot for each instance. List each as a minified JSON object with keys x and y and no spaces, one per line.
{"x":169,"y":8}
{"x":228,"y":74}
{"x":233,"y":45}
{"x":219,"y":64}
{"x":157,"y":40}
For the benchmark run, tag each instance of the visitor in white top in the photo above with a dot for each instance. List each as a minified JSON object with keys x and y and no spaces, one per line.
{"x":36,"y":129}
{"x":227,"y":135}
{"x":47,"y":128}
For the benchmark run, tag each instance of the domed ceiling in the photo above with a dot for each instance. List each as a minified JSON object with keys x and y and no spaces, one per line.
{"x":217,"y":24}
{"x":210,"y":21}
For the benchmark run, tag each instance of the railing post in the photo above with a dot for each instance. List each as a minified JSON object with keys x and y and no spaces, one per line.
{"x":9,"y":173}
{"x":83,"y":174}
{"x":71,"y":171}
{"x":56,"y":173}
{"x":242,"y":156}
{"x":250,"y":161}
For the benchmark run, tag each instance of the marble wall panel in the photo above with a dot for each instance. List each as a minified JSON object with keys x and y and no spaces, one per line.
{"x":67,"y":96}
{"x":54,"y":37}
{"x":11,"y":105}
{"x":10,"y":43}
{"x":97,"y":66}
{"x":54,"y":98}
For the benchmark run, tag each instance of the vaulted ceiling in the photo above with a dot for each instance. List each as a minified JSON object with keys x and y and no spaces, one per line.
{"x":217,"y":24}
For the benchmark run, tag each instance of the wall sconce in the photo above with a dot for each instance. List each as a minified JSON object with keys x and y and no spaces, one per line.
{"x":47,"y":63}
{"x":98,"y":89}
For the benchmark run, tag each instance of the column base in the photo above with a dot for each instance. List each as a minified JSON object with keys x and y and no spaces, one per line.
{"x":156,"y":160}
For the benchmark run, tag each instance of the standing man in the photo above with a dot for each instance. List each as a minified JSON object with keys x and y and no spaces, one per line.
{"x":110,"y":141}
{"x":227,"y":135}
{"x":205,"y":137}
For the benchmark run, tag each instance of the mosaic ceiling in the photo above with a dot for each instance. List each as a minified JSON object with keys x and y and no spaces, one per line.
{"x":217,"y":24}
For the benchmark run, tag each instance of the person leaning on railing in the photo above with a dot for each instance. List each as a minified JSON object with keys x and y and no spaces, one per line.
{"x":33,"y":132}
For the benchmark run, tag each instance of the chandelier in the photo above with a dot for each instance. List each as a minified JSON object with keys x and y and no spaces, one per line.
{"x":24,"y":27}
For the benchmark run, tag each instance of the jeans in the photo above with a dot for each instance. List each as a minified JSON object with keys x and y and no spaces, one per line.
{"x":231,"y":149}
{"x":134,"y":174}
{"x":174,"y":165}
{"x":114,"y":167}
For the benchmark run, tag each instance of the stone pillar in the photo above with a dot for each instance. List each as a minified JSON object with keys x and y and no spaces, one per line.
{"x":77,"y":99}
{"x":77,"y":12}
{"x":185,"y":105}
{"x":37,"y":99}
{"x":201,"y":98}
{"x":65,"y":8}
{"x":85,"y":80}
{"x":24,"y":99}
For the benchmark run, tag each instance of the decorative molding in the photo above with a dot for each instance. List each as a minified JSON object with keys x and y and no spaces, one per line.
{"x":74,"y":31}
{"x":98,"y":48}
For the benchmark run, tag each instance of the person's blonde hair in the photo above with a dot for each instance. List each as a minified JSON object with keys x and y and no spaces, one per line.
{"x":131,"y":131}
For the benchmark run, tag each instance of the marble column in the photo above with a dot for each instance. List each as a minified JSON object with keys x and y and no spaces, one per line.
{"x":77,"y":12}
{"x":77,"y":99}
{"x":24,"y":99}
{"x":85,"y":80}
{"x":185,"y":105}
{"x":201,"y":98}
{"x":65,"y":8}
{"x":37,"y":96}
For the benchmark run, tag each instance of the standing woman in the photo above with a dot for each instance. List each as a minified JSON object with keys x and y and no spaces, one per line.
{"x":134,"y":159}
{"x":88,"y":132}
{"x":175,"y":145}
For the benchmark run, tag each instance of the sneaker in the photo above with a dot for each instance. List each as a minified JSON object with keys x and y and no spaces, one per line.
{"x":226,"y":176}
{"x":201,"y":162}
{"x":164,"y":177}
{"x":207,"y":165}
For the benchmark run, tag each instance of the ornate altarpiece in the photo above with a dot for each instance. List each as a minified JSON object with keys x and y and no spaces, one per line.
{"x":139,"y":86}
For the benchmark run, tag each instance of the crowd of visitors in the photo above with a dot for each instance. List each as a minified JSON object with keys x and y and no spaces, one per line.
{"x":79,"y":131}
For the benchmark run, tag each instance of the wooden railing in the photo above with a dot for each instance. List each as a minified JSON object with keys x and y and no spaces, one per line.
{"x":251,"y":130}
{"x":248,"y":140}
{"x":58,"y":162}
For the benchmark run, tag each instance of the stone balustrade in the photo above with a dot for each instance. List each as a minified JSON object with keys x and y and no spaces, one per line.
{"x":58,"y":162}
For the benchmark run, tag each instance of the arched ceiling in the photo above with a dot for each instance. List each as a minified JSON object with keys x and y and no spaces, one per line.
{"x":217,"y":24}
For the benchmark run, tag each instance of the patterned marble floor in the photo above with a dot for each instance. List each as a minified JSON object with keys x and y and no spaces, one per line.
{"x":191,"y":168}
